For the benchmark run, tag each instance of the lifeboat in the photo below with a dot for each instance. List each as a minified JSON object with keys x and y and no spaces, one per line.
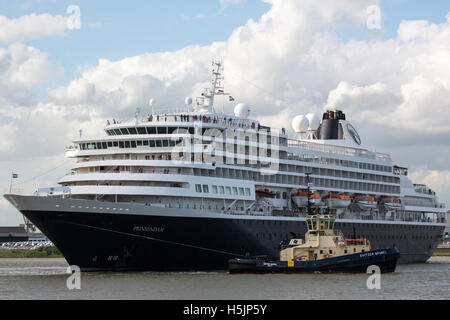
{"x":391,"y":203}
{"x":366,"y":202}
{"x":265,"y":193}
{"x":337,"y":201}
{"x":355,"y":241}
{"x":300,"y":198}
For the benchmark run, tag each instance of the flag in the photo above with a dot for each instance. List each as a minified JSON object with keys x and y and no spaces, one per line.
{"x":231,"y":99}
{"x":15,"y":176}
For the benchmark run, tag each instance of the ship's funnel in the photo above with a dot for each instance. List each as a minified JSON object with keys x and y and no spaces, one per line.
{"x":329,"y":129}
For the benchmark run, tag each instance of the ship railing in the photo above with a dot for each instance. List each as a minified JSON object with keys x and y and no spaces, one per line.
{"x":347,"y":151}
{"x":53,"y":191}
{"x":176,"y":116}
{"x":246,"y":213}
{"x":14,"y":190}
{"x":72,"y":148}
{"x":396,"y":218}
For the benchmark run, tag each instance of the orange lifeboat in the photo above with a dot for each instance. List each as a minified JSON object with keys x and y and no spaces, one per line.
{"x":300,"y":198}
{"x":334,"y":200}
{"x":355,"y":241}
{"x":265,"y":193}
{"x":391,"y":203}
{"x":366,"y":202}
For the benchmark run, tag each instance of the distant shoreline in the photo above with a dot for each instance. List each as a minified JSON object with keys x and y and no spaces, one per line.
{"x":43,"y":252}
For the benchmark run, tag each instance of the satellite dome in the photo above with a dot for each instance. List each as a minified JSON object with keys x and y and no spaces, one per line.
{"x":300,"y":124}
{"x":188,"y":101}
{"x":242,"y":110}
{"x":314,"y":122}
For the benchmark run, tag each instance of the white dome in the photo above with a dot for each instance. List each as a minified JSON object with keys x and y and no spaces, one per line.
{"x":300,"y":124}
{"x":242,"y":110}
{"x":188,"y":101}
{"x":152,"y":103}
{"x":314,"y":121}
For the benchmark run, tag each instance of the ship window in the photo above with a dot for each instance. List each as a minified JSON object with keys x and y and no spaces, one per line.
{"x":228,"y":190}
{"x":99,"y":145}
{"x":152,"y":143}
{"x":139,"y":143}
{"x":115,"y":144}
{"x":145,"y":142}
{"x":151,"y":130}
{"x":133,"y":144}
{"x":205,"y":188}
{"x":110,"y":144}
{"x":221,"y":190}
{"x":117,"y":132}
{"x":171,"y":143}
{"x":124,"y":131}
{"x":172,"y":130}
{"x":235,"y":191}
{"x":214,"y":189}
{"x":141,"y":130}
{"x":198,"y":188}
{"x":132,"y":130}
{"x":104,"y":145}
{"x":158,"y":143}
{"x":165,"y":143}
{"x":241,"y":191}
{"x":127,"y":144}
{"x":162,"y":130}
{"x":247,"y":192}
{"x":345,"y":251}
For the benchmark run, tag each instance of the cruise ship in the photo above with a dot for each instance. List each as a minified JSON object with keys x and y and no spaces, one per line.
{"x":192,"y":188}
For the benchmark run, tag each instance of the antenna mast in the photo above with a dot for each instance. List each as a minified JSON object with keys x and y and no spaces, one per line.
{"x":206,"y":101}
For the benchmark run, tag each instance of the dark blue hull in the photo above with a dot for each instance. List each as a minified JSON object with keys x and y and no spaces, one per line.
{"x":385,"y":259}
{"x":99,"y":242}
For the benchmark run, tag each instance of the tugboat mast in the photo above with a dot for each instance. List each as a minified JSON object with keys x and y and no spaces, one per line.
{"x":308,"y":182}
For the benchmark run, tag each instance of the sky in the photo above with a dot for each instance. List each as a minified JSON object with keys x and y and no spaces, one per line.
{"x":70,"y":65}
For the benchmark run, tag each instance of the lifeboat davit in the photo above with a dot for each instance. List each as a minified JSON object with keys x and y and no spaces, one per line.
{"x":337,"y":201}
{"x":300,"y":198}
{"x":265,"y":193}
{"x":366,"y":202}
{"x":391,"y":203}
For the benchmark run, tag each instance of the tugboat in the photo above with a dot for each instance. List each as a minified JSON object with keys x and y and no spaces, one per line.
{"x":323,"y":250}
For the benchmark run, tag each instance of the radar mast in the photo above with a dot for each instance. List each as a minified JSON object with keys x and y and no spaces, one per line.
{"x":205,"y":103}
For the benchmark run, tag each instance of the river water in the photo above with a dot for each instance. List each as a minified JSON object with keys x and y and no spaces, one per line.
{"x":47,"y":278}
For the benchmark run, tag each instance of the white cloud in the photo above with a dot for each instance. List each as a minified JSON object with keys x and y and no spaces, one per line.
{"x":291,"y":61}
{"x":31,"y":27}
{"x":22,"y":69}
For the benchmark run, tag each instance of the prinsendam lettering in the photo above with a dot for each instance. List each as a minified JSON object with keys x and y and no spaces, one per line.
{"x":149,"y":229}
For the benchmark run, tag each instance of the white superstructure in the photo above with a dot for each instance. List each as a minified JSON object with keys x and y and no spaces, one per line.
{"x":202,"y":159}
